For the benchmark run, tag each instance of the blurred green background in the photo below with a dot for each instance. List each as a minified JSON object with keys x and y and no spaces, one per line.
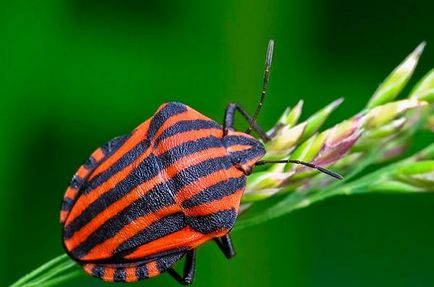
{"x":76,"y":73}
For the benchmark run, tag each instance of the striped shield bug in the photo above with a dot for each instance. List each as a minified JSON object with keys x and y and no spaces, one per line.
{"x":143,"y":201}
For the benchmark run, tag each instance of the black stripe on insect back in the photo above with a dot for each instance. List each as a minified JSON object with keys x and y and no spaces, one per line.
{"x":124,"y":161}
{"x":217,"y":191}
{"x":158,"y":229}
{"x":142,"y":272}
{"x":185,"y":126}
{"x":175,"y":252}
{"x":185,"y":149}
{"x":98,"y":271}
{"x":120,"y":275}
{"x":76,"y":182}
{"x":163,"y":115}
{"x":223,"y":219}
{"x":90,"y":163}
{"x":146,"y":170}
{"x":158,"y":197}
{"x":237,"y":140}
{"x":114,"y":144}
{"x":67,"y":203}
{"x":166,"y":262}
{"x":193,"y":173}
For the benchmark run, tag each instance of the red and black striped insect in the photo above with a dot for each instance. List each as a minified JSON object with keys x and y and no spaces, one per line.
{"x":143,"y":201}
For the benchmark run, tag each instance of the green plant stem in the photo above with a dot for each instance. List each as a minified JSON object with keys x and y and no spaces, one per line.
{"x":50,"y":274}
{"x":62,"y":278}
{"x":40,"y":270}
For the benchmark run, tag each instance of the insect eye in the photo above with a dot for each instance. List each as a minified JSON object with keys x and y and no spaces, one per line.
{"x":248,"y":170}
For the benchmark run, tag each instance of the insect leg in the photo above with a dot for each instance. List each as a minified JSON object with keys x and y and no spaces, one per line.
{"x":189,"y":269}
{"x":225,"y":245}
{"x":229,"y":120}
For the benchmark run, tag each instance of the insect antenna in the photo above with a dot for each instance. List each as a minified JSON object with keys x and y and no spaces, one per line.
{"x":268,"y":60}
{"x":308,"y":164}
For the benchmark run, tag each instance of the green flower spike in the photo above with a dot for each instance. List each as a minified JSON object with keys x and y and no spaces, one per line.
{"x":397,"y":80}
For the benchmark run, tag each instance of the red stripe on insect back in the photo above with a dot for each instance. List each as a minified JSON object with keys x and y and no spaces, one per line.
{"x":63,"y":215}
{"x":88,"y":268}
{"x":135,"y":138}
{"x":143,"y":127}
{"x":137,"y":192}
{"x":108,"y":274}
{"x":176,"y":140}
{"x":204,"y":182}
{"x":82,"y":172}
{"x":86,"y":200}
{"x":193,"y":159}
{"x":71,"y":192}
{"x":227,"y":202}
{"x":98,"y":155}
{"x":106,"y":249}
{"x":131,"y":274}
{"x":235,"y":148}
{"x":188,"y":115}
{"x":186,"y":237}
{"x":152,"y":269}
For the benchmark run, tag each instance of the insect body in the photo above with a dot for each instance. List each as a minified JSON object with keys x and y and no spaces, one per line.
{"x":144,"y":200}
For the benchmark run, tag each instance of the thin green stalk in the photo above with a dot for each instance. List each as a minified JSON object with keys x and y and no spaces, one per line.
{"x":62,"y":278}
{"x":50,"y":274}
{"x":40,"y":270}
